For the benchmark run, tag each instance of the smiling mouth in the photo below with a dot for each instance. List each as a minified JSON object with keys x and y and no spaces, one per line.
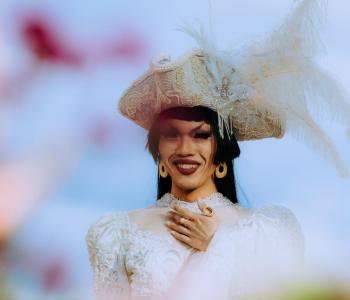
{"x":186,"y":169}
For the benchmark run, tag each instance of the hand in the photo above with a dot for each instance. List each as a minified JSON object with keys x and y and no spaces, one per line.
{"x":195,"y":230}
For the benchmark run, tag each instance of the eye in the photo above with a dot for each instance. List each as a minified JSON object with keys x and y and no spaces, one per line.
{"x":169,"y":135}
{"x":202,"y":135}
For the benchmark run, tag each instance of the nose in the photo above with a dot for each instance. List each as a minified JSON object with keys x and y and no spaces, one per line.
{"x":186,"y":146}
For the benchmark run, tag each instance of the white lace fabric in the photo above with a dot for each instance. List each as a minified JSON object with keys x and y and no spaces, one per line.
{"x":132,"y":262}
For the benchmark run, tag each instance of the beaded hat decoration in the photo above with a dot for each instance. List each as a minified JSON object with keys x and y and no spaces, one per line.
{"x":266,"y":88}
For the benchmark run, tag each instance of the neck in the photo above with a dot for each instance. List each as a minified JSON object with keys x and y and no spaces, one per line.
{"x":193,"y":195}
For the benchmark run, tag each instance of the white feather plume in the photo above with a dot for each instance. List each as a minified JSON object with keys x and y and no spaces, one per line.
{"x":282,"y":71}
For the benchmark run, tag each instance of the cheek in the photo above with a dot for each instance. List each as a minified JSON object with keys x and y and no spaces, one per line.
{"x":207,"y":150}
{"x":165,"y":149}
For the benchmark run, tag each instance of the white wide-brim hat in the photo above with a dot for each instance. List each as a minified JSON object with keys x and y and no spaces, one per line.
{"x":266,"y":88}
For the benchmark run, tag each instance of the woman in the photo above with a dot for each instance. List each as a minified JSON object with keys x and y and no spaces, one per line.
{"x":196,"y":109}
{"x":135,"y":256}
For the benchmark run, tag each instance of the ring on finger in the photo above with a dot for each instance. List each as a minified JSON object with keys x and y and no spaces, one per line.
{"x":208,"y":211}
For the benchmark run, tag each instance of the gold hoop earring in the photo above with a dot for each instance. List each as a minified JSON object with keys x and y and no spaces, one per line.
{"x":162,"y":171}
{"x":221,"y":173}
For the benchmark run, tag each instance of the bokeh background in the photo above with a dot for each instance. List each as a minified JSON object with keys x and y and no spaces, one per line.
{"x":67,"y":156}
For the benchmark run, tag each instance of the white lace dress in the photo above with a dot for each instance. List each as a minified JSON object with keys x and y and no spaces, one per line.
{"x":133,"y":255}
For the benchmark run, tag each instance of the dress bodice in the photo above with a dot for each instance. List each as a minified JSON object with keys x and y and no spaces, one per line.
{"x":134,"y":257}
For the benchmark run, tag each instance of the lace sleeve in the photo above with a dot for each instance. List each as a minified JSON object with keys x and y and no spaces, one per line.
{"x":107,"y":243}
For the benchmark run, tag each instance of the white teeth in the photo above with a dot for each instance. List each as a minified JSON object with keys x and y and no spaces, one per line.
{"x":187,"y":166}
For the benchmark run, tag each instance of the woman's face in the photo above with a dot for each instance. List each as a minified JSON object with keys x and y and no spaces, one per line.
{"x":187,"y":149}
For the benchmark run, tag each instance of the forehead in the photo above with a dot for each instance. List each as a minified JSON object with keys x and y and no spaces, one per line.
{"x":183,"y":125}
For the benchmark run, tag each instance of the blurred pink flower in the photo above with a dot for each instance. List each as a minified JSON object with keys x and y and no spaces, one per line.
{"x":101,"y":132}
{"x":49,"y":267}
{"x":44,"y":40}
{"x":128,"y":46}
{"x":55,"y":275}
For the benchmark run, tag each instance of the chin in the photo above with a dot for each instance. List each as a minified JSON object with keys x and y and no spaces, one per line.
{"x":187,"y":185}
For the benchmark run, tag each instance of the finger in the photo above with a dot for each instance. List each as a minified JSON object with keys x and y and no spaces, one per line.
{"x":201,"y":205}
{"x":173,"y":215}
{"x":183,"y":211}
{"x":185,"y":222}
{"x":177,"y":218}
{"x":206,"y":210}
{"x":178,"y":228}
{"x":170,"y":215}
{"x":181,"y":237}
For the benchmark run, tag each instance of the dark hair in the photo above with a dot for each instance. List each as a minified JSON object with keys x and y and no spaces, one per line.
{"x":227,"y":148}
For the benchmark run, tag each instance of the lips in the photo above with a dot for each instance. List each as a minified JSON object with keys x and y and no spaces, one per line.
{"x":186,"y":166}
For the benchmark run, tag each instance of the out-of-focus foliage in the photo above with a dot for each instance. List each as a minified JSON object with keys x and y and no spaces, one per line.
{"x":316,"y":292}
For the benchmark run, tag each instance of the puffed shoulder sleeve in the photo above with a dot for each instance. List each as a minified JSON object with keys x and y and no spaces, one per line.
{"x":280,"y":230}
{"x":279,"y":241}
{"x":107,"y":242}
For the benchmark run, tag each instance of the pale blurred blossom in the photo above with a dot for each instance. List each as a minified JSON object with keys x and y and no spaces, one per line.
{"x":26,"y":180}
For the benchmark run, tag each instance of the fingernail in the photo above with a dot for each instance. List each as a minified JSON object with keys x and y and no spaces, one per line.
{"x":167,"y":222}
